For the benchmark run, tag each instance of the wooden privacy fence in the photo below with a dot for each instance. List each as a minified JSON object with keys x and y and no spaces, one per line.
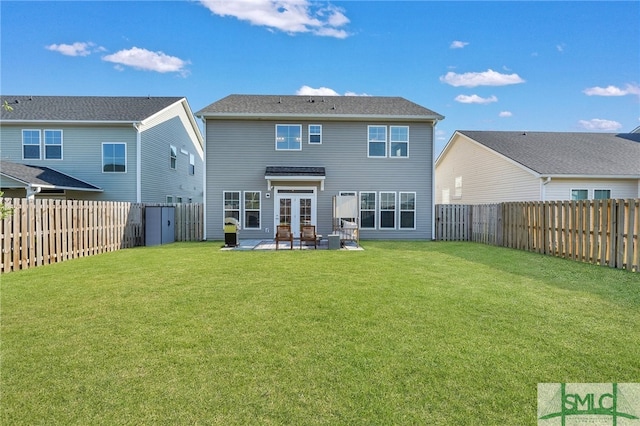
{"x":603,"y":232}
{"x":44,"y":231}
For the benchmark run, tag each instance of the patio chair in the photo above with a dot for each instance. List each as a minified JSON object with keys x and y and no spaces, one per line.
{"x":283,"y":233}
{"x":308,"y":234}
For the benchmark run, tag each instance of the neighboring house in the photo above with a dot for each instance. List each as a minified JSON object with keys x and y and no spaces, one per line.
{"x":282,"y":159}
{"x":135,"y":149}
{"x":478,"y":167}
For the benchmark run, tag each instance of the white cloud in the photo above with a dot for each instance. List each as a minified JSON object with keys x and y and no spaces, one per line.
{"x":630,"y":89}
{"x":560,"y":47}
{"x":600,"y":125}
{"x":475,"y":99}
{"x":143,"y":59}
{"x":76,"y":49}
{"x":505,"y":114}
{"x":290,"y":16}
{"x":456,"y":44}
{"x":323,"y":91}
{"x":486,"y":78}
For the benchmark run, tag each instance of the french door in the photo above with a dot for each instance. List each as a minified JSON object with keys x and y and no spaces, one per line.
{"x":295,"y":207}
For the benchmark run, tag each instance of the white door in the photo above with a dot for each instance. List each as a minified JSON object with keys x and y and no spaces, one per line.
{"x":295,"y":207}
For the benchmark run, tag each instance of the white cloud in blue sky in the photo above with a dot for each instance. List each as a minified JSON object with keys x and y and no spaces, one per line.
{"x":323,"y":91}
{"x":505,"y":114}
{"x":456,"y":44}
{"x":630,"y":89}
{"x":475,"y":99}
{"x":289,"y":16}
{"x":75,"y":49}
{"x":600,"y":125}
{"x":146,"y":60}
{"x":486,"y":78}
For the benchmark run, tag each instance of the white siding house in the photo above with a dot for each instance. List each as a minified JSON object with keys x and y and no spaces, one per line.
{"x":479,"y":167}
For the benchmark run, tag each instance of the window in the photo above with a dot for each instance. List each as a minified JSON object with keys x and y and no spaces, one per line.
{"x":458,"y":190}
{"x":288,"y":137}
{"x":601,"y":194}
{"x":387,"y":210}
{"x":407,"y":210}
{"x":192,"y":164}
{"x":53,"y":144}
{"x":579,"y":194}
{"x":31,"y":144}
{"x":445,"y":196}
{"x":315,"y":133}
{"x":170,"y":199}
{"x":399,"y":139}
{"x":232,"y":204}
{"x":114,"y":157}
{"x":173,"y":156}
{"x":368,"y":210}
{"x":252,"y":209}
{"x":178,"y":199}
{"x":377,"y":141}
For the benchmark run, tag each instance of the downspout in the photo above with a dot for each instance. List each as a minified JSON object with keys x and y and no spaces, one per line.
{"x":138,"y":162}
{"x":433,"y":181}
{"x":204,"y":179}
{"x":543,"y":189}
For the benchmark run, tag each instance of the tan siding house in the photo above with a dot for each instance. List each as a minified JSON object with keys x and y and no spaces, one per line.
{"x":479,"y":167}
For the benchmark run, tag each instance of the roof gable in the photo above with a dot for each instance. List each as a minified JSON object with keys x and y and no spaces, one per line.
{"x":83,"y":108}
{"x":317,"y":106}
{"x":566,"y":153}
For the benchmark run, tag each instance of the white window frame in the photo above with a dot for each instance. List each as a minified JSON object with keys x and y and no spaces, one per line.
{"x":245,"y":224}
{"x":299,"y":126}
{"x":192,"y":164}
{"x":125,"y":156}
{"x":578,"y":189}
{"x":371,"y":210}
{"x":381,"y":210}
{"x":225,"y":210}
{"x":173,"y":157}
{"x":319,"y":134}
{"x":39,"y":144}
{"x":44,"y":141}
{"x":391,"y":142}
{"x":601,"y":189}
{"x":401,"y":210}
{"x":376,"y":141}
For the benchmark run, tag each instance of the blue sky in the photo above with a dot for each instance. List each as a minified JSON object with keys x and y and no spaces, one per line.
{"x":546,"y":65}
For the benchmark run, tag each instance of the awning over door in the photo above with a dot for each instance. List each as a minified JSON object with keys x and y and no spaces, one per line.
{"x":290,"y":173}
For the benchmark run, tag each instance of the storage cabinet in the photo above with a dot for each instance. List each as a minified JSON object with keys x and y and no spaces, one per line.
{"x":159,"y":225}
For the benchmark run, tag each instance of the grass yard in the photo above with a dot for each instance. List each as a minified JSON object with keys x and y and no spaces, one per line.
{"x":400,"y":333}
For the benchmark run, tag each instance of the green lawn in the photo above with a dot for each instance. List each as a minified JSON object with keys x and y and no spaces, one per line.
{"x":415,"y":333}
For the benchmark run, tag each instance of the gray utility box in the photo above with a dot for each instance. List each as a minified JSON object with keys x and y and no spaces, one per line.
{"x":334,"y":241}
{"x":159,"y":227}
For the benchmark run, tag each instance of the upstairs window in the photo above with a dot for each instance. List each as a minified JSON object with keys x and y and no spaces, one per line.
{"x":31,"y":144}
{"x":53,"y":144}
{"x":173,"y":157}
{"x":288,"y":137}
{"x":399,"y":141}
{"x":377,"y":141}
{"x":114,"y":157}
{"x":315,"y":133}
{"x":192,"y":164}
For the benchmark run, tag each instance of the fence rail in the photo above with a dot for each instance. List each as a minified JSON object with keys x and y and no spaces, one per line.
{"x":44,"y":231}
{"x":603,"y":232}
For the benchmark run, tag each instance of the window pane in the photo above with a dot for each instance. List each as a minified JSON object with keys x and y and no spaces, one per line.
{"x":376,"y":149}
{"x":368,"y":219}
{"x":53,"y":152}
{"x":602,"y":194}
{"x":579,"y":194}
{"x":399,"y":149}
{"x":113,"y":157}
{"x":407,"y":219}
{"x":31,"y":152}
{"x":252,"y":200}
{"x":252,"y":219}
{"x":399,"y":133}
{"x":31,"y":144}
{"x":387,"y":219}
{"x":407,"y":201}
{"x":288,"y":137}
{"x":232,"y":200}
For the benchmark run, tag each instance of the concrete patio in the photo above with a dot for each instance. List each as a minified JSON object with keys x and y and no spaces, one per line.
{"x":323,"y":244}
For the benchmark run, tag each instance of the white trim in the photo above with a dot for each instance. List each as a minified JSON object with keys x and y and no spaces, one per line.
{"x":415,"y":210}
{"x":391,"y":142}
{"x":374,"y":210}
{"x":395,"y":211}
{"x":276,"y":136}
{"x":138,"y":162}
{"x":243,"y":211}
{"x":309,"y":134}
{"x":297,"y":196}
{"x":44,"y":144}
{"x":204,"y":181}
{"x":125,"y":157}
{"x":386,"y":141}
{"x":39,"y":143}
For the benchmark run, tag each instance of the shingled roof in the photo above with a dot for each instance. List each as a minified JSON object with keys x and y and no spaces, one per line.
{"x":43,"y":177}
{"x":567,"y":153}
{"x":250,"y":106}
{"x":83,"y":108}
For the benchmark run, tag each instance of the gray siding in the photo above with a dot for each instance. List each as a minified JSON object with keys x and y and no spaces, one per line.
{"x":239,"y":151}
{"x":82,"y":157}
{"x":560,"y":189}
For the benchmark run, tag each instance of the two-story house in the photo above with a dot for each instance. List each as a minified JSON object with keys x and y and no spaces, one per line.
{"x":480,"y":167}
{"x":274,"y":160}
{"x":135,"y":149}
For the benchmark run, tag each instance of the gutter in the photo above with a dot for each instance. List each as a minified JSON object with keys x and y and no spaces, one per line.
{"x":138,"y":162}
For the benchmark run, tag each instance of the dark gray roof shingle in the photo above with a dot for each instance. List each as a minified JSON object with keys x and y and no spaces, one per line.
{"x":326,"y":106}
{"x":567,"y":153}
{"x":294,"y":171}
{"x":83,"y":108}
{"x":43,"y":176}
